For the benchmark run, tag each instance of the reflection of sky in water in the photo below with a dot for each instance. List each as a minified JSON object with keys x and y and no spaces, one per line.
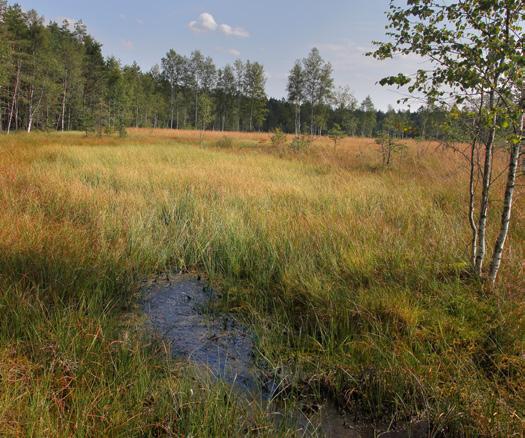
{"x":176,"y":312}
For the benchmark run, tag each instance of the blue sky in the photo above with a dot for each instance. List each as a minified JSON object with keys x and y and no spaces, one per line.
{"x":272,"y":32}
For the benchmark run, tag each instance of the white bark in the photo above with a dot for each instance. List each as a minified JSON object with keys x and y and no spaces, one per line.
{"x":484,"y":206}
{"x":472,"y":199}
{"x":15,"y":96}
{"x":507,"y":207}
{"x":64,"y":104}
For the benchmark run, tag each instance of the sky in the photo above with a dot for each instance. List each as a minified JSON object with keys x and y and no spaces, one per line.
{"x":272,"y":32}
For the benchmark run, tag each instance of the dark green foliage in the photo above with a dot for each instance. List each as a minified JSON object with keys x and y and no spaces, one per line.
{"x":336,"y":133}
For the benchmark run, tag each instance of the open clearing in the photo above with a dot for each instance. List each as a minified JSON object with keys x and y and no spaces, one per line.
{"x":352,"y":278}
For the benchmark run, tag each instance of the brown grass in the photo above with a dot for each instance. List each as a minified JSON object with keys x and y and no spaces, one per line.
{"x":352,"y":276}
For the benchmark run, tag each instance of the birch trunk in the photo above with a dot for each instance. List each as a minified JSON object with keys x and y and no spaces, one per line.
{"x":312,"y":117}
{"x":30,"y":109}
{"x":172,"y":104}
{"x":251,"y":117}
{"x":63,"y":116}
{"x":507,"y":207}
{"x":298,"y":122}
{"x":196,"y":109}
{"x":15,"y":96}
{"x":484,"y":206}
{"x":472,"y":188}
{"x":471,"y":209}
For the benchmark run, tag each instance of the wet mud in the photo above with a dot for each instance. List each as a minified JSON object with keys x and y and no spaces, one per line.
{"x":178,"y":310}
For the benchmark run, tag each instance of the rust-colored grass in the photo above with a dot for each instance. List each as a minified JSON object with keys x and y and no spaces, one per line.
{"x":352,"y":276}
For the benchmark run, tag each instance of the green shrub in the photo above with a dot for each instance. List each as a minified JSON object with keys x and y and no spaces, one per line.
{"x":224,"y":143}
{"x":278,"y":138}
{"x":301,"y":143}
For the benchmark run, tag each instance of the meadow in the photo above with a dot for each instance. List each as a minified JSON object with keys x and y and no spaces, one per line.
{"x":353,"y":278}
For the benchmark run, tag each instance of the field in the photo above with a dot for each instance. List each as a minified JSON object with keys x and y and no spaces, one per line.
{"x":353,"y":277}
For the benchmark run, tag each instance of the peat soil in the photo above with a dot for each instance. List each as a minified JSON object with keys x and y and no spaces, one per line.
{"x":177,"y":308}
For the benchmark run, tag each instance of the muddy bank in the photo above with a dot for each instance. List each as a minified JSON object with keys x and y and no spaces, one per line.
{"x":177,"y":308}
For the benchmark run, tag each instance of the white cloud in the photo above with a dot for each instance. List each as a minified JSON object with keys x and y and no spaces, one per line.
{"x":206,"y":23}
{"x":233,"y":31}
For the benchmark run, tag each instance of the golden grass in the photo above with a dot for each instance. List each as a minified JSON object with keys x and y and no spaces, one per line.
{"x":352,"y":276}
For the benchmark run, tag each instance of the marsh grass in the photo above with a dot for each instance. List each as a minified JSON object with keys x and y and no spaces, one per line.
{"x":351,"y":276}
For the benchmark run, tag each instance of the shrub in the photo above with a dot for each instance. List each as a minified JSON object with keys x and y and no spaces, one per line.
{"x":224,"y":143}
{"x":388,"y":147}
{"x":278,"y":138}
{"x":301,"y":143}
{"x":335,"y":134}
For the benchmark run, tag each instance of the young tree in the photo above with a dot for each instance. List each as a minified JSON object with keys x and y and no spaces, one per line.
{"x":118,"y":97}
{"x":201,"y":78}
{"x":318,"y":82}
{"x":388,"y":147}
{"x":476,"y":54}
{"x":132,"y":77}
{"x":368,"y":120}
{"x":255,"y":82}
{"x":344,"y":107}
{"x":296,"y":92}
{"x":226,"y":92}
{"x":239,"y":69}
{"x":336,"y":134}
{"x":175,"y":72}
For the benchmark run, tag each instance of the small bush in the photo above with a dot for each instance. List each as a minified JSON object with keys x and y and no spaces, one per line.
{"x":224,"y":143}
{"x":388,"y":147}
{"x":278,"y":138}
{"x":301,"y":143}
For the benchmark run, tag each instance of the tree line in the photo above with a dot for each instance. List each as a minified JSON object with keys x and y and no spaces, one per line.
{"x":54,"y":77}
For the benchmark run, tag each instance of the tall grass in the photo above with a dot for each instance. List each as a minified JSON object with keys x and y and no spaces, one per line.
{"x":352,"y":277}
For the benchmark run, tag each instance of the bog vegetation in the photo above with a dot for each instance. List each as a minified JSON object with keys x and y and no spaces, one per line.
{"x":371,"y":271}
{"x":353,"y":277}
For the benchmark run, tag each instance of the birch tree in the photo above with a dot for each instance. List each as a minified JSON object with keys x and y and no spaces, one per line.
{"x":368,"y":119}
{"x":175,"y":71}
{"x":318,"y":83}
{"x":476,"y":57}
{"x":226,"y":91}
{"x":345,"y":104}
{"x":201,"y":78}
{"x":255,"y":81}
{"x":296,"y":93}
{"x":240,"y":85}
